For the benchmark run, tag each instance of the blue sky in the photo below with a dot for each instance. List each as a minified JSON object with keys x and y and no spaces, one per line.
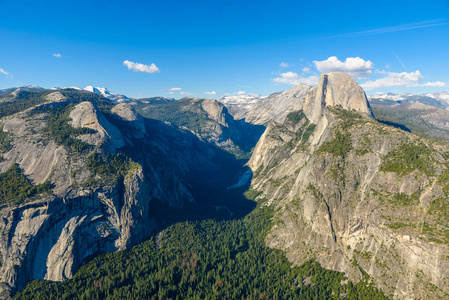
{"x":176,"y":48}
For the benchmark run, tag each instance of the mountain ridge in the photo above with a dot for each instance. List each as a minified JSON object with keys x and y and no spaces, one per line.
{"x":357,"y":195}
{"x":102,"y":187}
{"x":350,"y":191}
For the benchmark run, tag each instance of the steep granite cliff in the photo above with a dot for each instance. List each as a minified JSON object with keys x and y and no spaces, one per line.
{"x":274,"y":107}
{"x":208,"y":119}
{"x":82,"y":178}
{"x":359,"y":196}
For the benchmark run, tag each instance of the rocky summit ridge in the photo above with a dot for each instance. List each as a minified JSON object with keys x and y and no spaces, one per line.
{"x":336,"y":89}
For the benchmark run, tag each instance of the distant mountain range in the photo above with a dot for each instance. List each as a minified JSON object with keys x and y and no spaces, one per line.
{"x":437,"y":99}
{"x":239,"y":104}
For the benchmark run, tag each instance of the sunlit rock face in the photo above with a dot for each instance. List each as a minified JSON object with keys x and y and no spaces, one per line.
{"x":324,"y":171}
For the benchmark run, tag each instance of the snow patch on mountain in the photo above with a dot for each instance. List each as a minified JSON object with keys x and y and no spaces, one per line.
{"x":437,"y":99}
{"x":391,"y":96}
{"x":116,"y":98}
{"x":105,"y":93}
{"x":237,"y":103}
{"x":442,"y":96}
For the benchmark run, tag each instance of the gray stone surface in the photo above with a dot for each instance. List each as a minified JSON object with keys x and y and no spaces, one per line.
{"x":339,"y":210}
{"x":49,"y":236}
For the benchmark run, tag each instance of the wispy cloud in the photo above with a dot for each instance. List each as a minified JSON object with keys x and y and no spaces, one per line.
{"x":6,"y":73}
{"x":175,"y":89}
{"x":185,"y":93}
{"x":400,"y":60}
{"x":354,"y":66}
{"x":211,"y":93}
{"x":294,"y":78}
{"x":436,"y":83}
{"x":57,"y":55}
{"x":138,"y":67}
{"x":306,"y":70}
{"x":403,"y":27}
{"x":284,"y":65}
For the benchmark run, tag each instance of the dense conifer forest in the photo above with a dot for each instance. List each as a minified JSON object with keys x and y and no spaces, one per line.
{"x":206,"y":259}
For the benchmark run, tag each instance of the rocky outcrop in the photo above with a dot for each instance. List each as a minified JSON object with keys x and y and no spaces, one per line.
{"x":323,"y":171}
{"x":336,"y":89}
{"x":35,"y":155}
{"x":55,"y":97}
{"x":127,"y":113}
{"x":222,"y":129}
{"x":50,"y":238}
{"x":274,"y":107}
{"x":85,"y":115}
{"x":208,"y":119}
{"x":416,"y":117}
{"x":239,"y":105}
{"x":49,"y":235}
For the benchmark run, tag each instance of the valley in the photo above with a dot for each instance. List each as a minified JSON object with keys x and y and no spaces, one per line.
{"x":314,"y":192}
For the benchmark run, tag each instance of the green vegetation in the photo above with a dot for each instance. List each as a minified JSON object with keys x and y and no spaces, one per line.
{"x":440,"y":208}
{"x":15,"y":187}
{"x":337,"y":171}
{"x":348,"y":117}
{"x":402,"y":199}
{"x":408,"y":120}
{"x":181,"y":113}
{"x":5,"y":140}
{"x":340,"y":145}
{"x":302,"y":134}
{"x":364,"y":146}
{"x":76,"y":96}
{"x":308,"y":132}
{"x":398,"y":225}
{"x":59,"y":129}
{"x":366,"y":255}
{"x":105,"y":167}
{"x":316,"y":193}
{"x":252,"y":194}
{"x":21,"y":101}
{"x":203,"y":260}
{"x":407,"y":158}
{"x":296,"y":116}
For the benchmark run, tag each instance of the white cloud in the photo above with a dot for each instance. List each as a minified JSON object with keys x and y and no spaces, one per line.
{"x":211,"y":93}
{"x":284,"y":65}
{"x":241,"y":93}
{"x":354,"y":66}
{"x":387,"y":66}
{"x":293,"y":78}
{"x":137,"y":67}
{"x":57,"y":55}
{"x":6,"y":73}
{"x":171,"y":93}
{"x":394,"y":79}
{"x":436,"y":83}
{"x":185,"y":93}
{"x":405,"y":79}
{"x":306,"y":70}
{"x":377,"y":71}
{"x":175,"y":89}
